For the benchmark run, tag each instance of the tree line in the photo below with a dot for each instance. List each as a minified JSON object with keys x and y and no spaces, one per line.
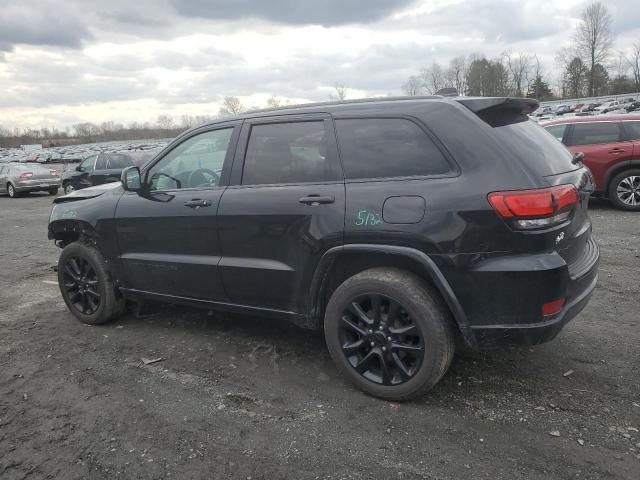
{"x":589,"y":67}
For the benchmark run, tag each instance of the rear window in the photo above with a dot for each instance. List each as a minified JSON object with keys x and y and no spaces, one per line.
{"x":595,"y":133}
{"x":387,"y":147}
{"x":530,"y":142}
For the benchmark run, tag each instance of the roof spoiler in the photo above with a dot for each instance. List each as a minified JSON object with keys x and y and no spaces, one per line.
{"x":482,"y":104}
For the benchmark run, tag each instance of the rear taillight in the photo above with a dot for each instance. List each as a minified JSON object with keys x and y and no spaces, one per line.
{"x":540,"y":208}
{"x":551,"y":308}
{"x":53,"y":173}
{"x":26,"y":175}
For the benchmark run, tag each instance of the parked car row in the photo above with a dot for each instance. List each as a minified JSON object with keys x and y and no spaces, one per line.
{"x":74,"y":153}
{"x":546,"y":112}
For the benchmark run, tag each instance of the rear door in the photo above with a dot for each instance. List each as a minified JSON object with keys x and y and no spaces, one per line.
{"x":632,"y":134}
{"x":603,"y":146}
{"x":108,"y":168}
{"x":283,"y":210}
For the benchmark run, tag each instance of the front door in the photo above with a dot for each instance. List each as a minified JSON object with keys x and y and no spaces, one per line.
{"x":283,"y":210}
{"x":167,"y":234}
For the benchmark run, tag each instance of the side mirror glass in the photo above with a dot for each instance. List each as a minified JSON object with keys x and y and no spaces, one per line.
{"x":130,"y":179}
{"x":79,"y":168}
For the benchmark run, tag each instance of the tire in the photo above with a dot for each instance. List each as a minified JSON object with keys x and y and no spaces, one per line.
{"x":11,"y":191}
{"x":624,"y":190}
{"x":421,"y":310}
{"x":82,"y":264}
{"x":53,"y":191}
{"x":68,"y":188}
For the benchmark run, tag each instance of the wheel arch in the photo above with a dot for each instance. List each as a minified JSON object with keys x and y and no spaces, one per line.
{"x":616,"y":169}
{"x":340,"y":263}
{"x":66,"y":231}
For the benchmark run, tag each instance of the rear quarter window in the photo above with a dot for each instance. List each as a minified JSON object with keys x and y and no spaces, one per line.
{"x":530,"y":142}
{"x":632,"y":130}
{"x":387,"y":147}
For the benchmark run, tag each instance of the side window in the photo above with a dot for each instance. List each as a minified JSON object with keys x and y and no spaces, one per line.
{"x":118,"y":160}
{"x":2,"y":169}
{"x":633,"y":130}
{"x":101,"y":161}
{"x":292,"y":152}
{"x":87,"y":164}
{"x":195,"y":163}
{"x":387,"y":147}
{"x":557,"y":131}
{"x":595,"y":133}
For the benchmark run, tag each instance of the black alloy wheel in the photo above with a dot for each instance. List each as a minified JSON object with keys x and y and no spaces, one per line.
{"x":380,"y":340}
{"x":81,"y":285}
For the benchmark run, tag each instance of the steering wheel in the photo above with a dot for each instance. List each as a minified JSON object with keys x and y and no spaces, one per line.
{"x":203,"y":181}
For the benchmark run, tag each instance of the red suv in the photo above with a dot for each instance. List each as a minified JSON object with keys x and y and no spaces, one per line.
{"x":611,"y":147}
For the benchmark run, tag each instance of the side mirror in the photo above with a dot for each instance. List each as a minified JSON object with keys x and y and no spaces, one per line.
{"x":130,"y":179}
{"x":79,"y":168}
{"x":577,"y":158}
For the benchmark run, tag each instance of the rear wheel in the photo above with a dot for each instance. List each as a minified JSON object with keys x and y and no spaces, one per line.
{"x":11,"y":191}
{"x":624,"y":190}
{"x":86,"y":284}
{"x":389,"y":333}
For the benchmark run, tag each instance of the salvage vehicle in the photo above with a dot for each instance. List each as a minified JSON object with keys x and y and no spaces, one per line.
{"x":610,"y":146}
{"x":19,"y":178}
{"x":398,"y":227}
{"x":104,"y":167}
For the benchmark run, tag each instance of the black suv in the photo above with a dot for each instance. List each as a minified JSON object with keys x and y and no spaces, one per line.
{"x":398,"y":226}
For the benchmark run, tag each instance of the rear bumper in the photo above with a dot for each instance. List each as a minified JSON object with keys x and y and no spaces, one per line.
{"x":504,"y":296}
{"x":36,"y":185}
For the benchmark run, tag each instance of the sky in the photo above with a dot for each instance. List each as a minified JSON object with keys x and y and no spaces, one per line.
{"x":69,"y":61}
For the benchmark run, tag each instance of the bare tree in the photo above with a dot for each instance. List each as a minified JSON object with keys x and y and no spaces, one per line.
{"x":434,"y":78}
{"x":457,"y":74}
{"x":275,"y":102}
{"x":165,"y":122}
{"x":341,"y":92}
{"x":231,"y":106}
{"x":519,"y":67}
{"x":634,"y":62}
{"x":412,"y":87}
{"x":593,"y":39}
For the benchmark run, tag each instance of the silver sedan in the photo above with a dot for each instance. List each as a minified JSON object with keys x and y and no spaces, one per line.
{"x":16,"y":179}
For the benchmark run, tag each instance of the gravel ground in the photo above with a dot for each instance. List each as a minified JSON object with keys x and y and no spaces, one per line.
{"x":243,"y":397}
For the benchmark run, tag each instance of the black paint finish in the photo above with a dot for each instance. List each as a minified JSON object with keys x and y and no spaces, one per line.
{"x":277,"y":249}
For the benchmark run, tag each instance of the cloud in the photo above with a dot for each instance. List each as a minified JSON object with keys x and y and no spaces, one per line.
{"x":297,"y":12}
{"x":41,"y":23}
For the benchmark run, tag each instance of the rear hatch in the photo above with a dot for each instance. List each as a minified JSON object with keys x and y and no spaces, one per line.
{"x":551,"y":165}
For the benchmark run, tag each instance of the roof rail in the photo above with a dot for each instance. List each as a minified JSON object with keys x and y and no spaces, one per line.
{"x":344,"y":102}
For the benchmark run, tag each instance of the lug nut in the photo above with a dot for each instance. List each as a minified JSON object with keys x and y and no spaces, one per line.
{"x":373,"y":344}
{"x":389,"y":339}
{"x":384,"y":349}
{"x":380,"y":327}
{"x":370,"y":331}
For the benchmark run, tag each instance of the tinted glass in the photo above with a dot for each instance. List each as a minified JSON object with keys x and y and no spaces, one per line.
{"x":595,"y":133}
{"x":101,"y":162}
{"x":195,"y":163}
{"x":633,"y":130}
{"x":118,"y":160}
{"x":529,"y":142}
{"x":557,"y":131}
{"x":387,"y":147}
{"x":88,"y":163}
{"x":292,"y":152}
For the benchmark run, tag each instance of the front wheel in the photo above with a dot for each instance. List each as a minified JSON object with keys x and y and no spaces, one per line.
{"x":390,"y":333}
{"x":68,"y":188}
{"x":624,"y":190}
{"x":86,"y":284}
